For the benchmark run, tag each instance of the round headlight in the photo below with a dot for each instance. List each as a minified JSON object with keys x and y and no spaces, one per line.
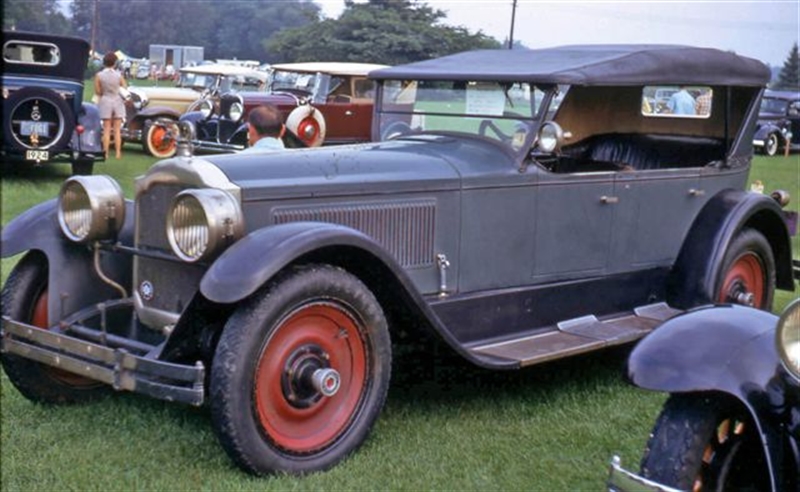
{"x":206,"y":107}
{"x":788,"y":338}
{"x":90,"y":208}
{"x":236,"y":111}
{"x":550,"y":137}
{"x":201,"y":223}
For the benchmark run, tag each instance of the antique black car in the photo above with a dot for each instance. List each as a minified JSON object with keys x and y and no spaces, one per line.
{"x":44,"y":116}
{"x":517,"y":205}
{"x":778,"y":124}
{"x":152,"y":112}
{"x":732,"y":420}
{"x":322,"y":103}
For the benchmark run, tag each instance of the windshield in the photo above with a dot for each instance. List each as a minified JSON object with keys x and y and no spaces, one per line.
{"x":772,"y":105}
{"x":502,"y":112}
{"x":291,"y":81}
{"x":197,"y":81}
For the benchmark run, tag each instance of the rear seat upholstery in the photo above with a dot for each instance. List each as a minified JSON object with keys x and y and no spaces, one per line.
{"x":642,"y":152}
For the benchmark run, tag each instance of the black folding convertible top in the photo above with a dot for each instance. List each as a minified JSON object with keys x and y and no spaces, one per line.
{"x":590,"y":65}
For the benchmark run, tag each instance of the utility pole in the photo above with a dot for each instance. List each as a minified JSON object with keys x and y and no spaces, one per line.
{"x":94,"y":26}
{"x":513,"y":15}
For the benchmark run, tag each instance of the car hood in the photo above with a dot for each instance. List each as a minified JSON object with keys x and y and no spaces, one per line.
{"x":279,"y":99}
{"x":367,"y":169}
{"x":175,"y":93}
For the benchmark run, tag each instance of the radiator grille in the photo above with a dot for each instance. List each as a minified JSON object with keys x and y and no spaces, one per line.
{"x":151,"y":215}
{"x":405,"y":228}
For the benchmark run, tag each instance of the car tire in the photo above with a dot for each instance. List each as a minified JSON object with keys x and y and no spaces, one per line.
{"x":82,"y":167}
{"x":266,"y":410}
{"x":771,"y":144}
{"x":24,"y":298}
{"x":748,"y":272}
{"x":159,"y":138}
{"x":705,"y":443}
{"x":50,"y":106}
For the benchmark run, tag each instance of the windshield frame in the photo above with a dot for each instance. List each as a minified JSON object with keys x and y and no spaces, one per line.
{"x":539,"y":97}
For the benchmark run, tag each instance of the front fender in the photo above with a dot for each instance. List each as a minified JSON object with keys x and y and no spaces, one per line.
{"x":72,"y":280}
{"x":698,"y":267}
{"x":708,"y":349}
{"x":765,"y":129}
{"x":253,"y":260}
{"x":726,"y":349}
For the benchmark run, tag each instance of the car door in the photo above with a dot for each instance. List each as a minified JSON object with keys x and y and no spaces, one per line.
{"x":574,"y":221}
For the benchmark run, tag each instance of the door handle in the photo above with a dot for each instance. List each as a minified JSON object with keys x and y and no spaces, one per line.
{"x":696,"y":192}
{"x":348,"y":113}
{"x":609,"y":199}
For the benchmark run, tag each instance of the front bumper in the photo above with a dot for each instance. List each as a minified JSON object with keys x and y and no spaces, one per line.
{"x":621,"y":480}
{"x":108,"y":360}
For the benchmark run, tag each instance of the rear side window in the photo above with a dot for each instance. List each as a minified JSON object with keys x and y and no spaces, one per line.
{"x":677,"y":101}
{"x":31,"y":53}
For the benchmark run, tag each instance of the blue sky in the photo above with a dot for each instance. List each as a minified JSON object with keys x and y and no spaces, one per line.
{"x":763,"y":29}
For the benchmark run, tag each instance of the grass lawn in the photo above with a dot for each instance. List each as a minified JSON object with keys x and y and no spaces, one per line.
{"x":445,"y":426}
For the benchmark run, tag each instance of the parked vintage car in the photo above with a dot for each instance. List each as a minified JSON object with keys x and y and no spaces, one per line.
{"x":732,"y":420}
{"x":778,"y":122}
{"x":272,"y":286}
{"x":44,"y":117}
{"x":152,"y":112}
{"x":325,"y":102}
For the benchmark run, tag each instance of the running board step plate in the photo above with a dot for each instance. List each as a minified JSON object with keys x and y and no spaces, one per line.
{"x":578,"y":335}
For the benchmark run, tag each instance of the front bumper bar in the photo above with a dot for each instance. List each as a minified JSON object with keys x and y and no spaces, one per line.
{"x":116,"y":367}
{"x":621,"y":480}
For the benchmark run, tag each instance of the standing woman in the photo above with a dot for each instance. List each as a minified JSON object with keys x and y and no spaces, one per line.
{"x":107,"y":83}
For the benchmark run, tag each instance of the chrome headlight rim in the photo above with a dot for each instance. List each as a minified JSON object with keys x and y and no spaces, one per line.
{"x":206,"y":108}
{"x":91,"y":208}
{"x":787,"y":338}
{"x":202,"y":222}
{"x":236,"y":111}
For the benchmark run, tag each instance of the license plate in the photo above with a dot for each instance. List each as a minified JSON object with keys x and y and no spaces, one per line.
{"x":35,"y":127}
{"x":37,"y":155}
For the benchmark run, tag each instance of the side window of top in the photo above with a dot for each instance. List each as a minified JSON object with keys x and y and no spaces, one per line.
{"x":677,"y":101}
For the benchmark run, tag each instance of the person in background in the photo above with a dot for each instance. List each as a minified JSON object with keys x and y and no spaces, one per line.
{"x":107,"y":84}
{"x":681,"y":102}
{"x":265,"y":130}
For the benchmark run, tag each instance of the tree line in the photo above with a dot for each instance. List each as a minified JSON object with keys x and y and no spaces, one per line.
{"x":380,"y":31}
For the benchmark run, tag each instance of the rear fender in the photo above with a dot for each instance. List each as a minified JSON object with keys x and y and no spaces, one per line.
{"x":72,"y":281}
{"x":90,"y":139}
{"x":699,"y":264}
{"x":730,"y":350}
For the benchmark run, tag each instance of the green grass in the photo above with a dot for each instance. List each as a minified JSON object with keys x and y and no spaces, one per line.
{"x":445,"y":426}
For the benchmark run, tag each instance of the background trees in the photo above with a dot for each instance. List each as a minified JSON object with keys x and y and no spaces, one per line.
{"x":789,"y":77}
{"x":384,"y":31}
{"x":381,"y":31}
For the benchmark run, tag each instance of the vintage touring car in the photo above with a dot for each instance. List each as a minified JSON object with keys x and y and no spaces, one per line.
{"x":44,"y":117}
{"x":520,"y":205}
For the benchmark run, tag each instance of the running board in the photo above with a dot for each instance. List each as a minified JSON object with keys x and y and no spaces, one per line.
{"x":578,"y":335}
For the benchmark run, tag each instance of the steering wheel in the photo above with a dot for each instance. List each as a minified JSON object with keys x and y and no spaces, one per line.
{"x":490,"y":125}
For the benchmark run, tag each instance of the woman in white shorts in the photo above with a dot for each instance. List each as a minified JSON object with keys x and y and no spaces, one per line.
{"x":107,"y":83}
